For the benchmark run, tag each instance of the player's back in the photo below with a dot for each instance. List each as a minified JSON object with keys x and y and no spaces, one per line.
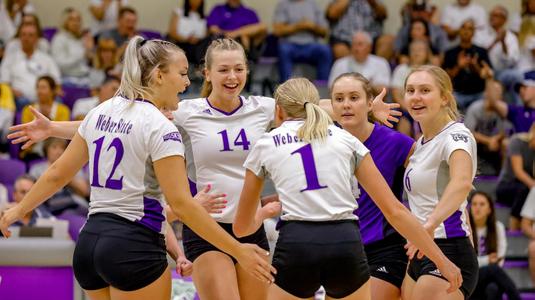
{"x":124,"y":138}
{"x":312,"y":179}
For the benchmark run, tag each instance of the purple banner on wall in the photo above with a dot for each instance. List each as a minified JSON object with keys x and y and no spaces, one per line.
{"x":43,"y":283}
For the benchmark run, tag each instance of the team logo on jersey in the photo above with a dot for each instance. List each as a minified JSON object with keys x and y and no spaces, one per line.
{"x":207,"y":111}
{"x":174,"y":136}
{"x":459,"y":137}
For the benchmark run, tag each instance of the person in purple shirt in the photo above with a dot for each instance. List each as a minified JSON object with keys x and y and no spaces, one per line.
{"x":236,"y":21}
{"x":522,"y":117}
{"x":351,"y":99}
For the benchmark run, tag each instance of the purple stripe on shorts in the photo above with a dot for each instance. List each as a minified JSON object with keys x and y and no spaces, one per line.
{"x":152,"y":214}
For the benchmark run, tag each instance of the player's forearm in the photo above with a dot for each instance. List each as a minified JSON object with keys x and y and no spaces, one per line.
{"x":64,"y":129}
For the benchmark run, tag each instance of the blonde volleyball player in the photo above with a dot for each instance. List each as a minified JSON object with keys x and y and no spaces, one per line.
{"x":311,"y":163}
{"x":134,"y":154}
{"x":437,"y":180}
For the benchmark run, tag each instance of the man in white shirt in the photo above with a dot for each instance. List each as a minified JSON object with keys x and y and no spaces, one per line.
{"x":105,"y":13}
{"x":26,"y":65}
{"x":373,"y":67}
{"x":455,"y":14}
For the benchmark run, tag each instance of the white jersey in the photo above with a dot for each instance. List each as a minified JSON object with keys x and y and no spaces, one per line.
{"x":217,"y":143}
{"x":427,"y":176}
{"x":124,"y":139}
{"x":312,"y":179}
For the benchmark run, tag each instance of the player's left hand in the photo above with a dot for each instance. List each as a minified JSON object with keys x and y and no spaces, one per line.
{"x":184,"y":267}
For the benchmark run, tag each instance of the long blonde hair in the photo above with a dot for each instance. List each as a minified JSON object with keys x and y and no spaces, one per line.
{"x":299,"y":98}
{"x":218,"y":45}
{"x":141,"y":59}
{"x":443,"y":81}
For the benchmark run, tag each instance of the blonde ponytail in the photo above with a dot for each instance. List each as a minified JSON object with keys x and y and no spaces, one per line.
{"x":299,"y":98}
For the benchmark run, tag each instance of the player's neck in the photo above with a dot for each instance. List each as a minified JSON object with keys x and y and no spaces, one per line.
{"x":433,"y":127}
{"x":362,"y":131}
{"x":224,"y":103}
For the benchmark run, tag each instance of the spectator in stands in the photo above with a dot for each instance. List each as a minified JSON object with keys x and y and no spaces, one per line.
{"x":374,"y":68}
{"x":22,"y":185}
{"x":421,"y":29}
{"x":518,"y":174}
{"x":468,"y":66}
{"x":25,"y":66}
{"x":71,"y":49}
{"x":236,"y":21}
{"x":14,"y":45}
{"x":490,"y":242}
{"x":419,"y":9}
{"x":527,"y":22}
{"x":104,"y":13}
{"x":105,"y":92}
{"x":187,"y":28}
{"x":7,"y":27}
{"x":105,"y":62}
{"x":456,"y":14}
{"x":16,"y":10}
{"x":300,"y":26}
{"x":527,"y":56}
{"x":126,"y":28}
{"x":46,"y":102}
{"x":528,"y":228}
{"x":419,"y":54}
{"x":521,"y":116}
{"x":7,"y":114}
{"x":349,"y":16}
{"x":489,"y":130}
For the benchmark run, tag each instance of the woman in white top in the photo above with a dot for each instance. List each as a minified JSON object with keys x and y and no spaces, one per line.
{"x":187,"y":28}
{"x":136,"y":156}
{"x":490,"y":241}
{"x":437,"y":181}
{"x":312,"y":163}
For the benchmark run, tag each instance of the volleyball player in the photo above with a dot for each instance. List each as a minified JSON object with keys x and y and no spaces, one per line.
{"x":351,"y":101}
{"x":133,"y":152}
{"x":311,"y":163}
{"x":437,"y":180}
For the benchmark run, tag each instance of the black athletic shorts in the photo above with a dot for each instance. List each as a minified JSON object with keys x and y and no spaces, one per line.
{"x":113,"y":251}
{"x":460,"y":252}
{"x":313,"y":254}
{"x":195,"y":246}
{"x":387,"y":259}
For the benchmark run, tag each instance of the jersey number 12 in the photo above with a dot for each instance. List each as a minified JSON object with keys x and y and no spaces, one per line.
{"x":113,"y":184}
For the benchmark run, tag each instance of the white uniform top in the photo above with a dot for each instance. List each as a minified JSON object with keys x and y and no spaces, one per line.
{"x":124,"y":139}
{"x":312,"y":179}
{"x":427,"y":175}
{"x":217,"y":143}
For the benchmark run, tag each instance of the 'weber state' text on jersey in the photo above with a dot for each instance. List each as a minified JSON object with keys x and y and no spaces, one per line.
{"x":124,"y":139}
{"x":427,"y":176}
{"x":217,"y":143}
{"x":312,"y":179}
{"x":389,"y":150}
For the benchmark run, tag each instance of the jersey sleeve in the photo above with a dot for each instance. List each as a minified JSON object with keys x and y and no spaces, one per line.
{"x":269,"y":107}
{"x":359,"y":150}
{"x":164,"y":139}
{"x":255,"y":161}
{"x":83,"y":126}
{"x":459,"y":140}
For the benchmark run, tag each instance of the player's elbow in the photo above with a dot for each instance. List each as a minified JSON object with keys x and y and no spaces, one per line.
{"x":239,"y":230}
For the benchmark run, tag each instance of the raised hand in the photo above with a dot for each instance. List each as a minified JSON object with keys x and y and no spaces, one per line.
{"x":385,"y":112}
{"x":32,"y":132}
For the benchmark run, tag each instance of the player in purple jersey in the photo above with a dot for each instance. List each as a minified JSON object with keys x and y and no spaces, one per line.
{"x":111,"y":245}
{"x":437,"y":181}
{"x":319,"y":240}
{"x":351,"y":100}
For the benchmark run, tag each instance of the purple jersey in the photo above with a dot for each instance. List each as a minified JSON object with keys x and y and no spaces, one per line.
{"x":229,"y":18}
{"x":389,"y":150}
{"x":521,"y":116}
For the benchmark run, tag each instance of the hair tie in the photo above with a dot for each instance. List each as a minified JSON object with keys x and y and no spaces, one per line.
{"x":305,"y":104}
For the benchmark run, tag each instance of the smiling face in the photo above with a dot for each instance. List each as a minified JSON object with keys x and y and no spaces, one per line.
{"x":350,"y":102}
{"x":423,"y":97}
{"x":227,"y":73}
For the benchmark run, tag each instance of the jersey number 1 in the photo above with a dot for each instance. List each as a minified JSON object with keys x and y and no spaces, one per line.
{"x":113,"y":184}
{"x":307,"y":157}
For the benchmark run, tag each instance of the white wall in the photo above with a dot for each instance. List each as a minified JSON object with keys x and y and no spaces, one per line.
{"x":155,"y":14}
